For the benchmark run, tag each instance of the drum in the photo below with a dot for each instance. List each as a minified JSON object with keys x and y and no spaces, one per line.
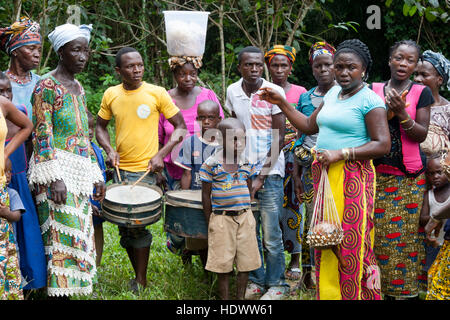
{"x":136,"y":207}
{"x":184,"y":214}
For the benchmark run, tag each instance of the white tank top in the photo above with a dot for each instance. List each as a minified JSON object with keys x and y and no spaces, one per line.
{"x":434,"y":207}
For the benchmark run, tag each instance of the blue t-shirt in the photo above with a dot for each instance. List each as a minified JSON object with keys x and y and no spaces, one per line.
{"x":193,"y":153}
{"x":22,"y":93}
{"x":342,"y":122}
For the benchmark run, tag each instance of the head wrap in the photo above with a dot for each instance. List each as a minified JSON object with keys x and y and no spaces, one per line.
{"x":177,"y":61}
{"x":320,"y":47}
{"x":21,"y":33}
{"x":287,"y":51}
{"x":68,"y":32}
{"x":440,"y":63}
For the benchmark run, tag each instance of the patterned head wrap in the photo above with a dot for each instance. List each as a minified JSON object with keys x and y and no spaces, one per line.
{"x":68,"y":32}
{"x":21,"y":33}
{"x":319,"y":48}
{"x":177,"y":61}
{"x":287,"y":51}
{"x":440,"y":63}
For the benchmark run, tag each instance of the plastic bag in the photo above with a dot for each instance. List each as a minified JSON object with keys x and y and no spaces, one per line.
{"x":325,"y":229}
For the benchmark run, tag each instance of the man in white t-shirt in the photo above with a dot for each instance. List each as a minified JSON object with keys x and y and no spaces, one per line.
{"x":264,"y":124}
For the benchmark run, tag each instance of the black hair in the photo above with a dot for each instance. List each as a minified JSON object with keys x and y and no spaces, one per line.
{"x":209,"y":104}
{"x":249,"y":49}
{"x":359,"y":48}
{"x":121,"y":52}
{"x":229,"y":123}
{"x":409,"y":43}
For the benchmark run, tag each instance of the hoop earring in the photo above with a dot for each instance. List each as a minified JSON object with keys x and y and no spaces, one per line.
{"x":363,"y":74}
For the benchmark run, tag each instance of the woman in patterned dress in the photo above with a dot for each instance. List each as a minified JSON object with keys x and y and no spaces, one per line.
{"x":434,"y":71}
{"x":10,"y":277}
{"x":400,"y":176}
{"x":352,"y":127}
{"x":63,"y":169}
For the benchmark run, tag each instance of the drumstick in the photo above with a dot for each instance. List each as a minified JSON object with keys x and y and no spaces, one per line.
{"x":118,"y":173}
{"x":140,"y":179}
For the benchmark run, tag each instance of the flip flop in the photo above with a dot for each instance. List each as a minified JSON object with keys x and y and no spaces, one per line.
{"x":290,"y":273}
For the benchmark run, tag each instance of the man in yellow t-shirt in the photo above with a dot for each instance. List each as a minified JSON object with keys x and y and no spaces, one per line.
{"x":136,"y":107}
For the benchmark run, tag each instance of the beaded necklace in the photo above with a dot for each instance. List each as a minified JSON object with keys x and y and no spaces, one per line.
{"x":16,"y":79}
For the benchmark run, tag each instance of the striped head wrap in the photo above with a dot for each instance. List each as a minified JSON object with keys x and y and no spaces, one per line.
{"x":21,"y":33}
{"x":179,"y":61}
{"x":440,"y":63}
{"x":320,"y":47}
{"x":287,"y":51}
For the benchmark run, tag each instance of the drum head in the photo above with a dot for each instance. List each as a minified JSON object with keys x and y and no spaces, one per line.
{"x":185,"y":198}
{"x":140,"y":194}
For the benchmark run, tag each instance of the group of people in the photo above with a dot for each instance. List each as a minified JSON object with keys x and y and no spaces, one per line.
{"x":383,"y":147}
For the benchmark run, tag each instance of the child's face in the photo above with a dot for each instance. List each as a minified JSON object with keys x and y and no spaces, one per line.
{"x":234,"y":141}
{"x":207,"y":119}
{"x":8,"y":172}
{"x":5,"y":89}
{"x":435,"y":173}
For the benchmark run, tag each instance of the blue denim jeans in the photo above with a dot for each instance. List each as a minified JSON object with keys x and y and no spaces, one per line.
{"x":267,"y":220}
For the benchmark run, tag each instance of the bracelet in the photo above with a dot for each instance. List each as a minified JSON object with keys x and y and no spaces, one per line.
{"x":346,"y":153}
{"x":406,"y":120}
{"x":353,"y":154}
{"x":410,"y":127}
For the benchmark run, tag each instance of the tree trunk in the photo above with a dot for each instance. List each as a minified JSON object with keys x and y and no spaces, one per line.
{"x":17,"y":9}
{"x":222,"y":51}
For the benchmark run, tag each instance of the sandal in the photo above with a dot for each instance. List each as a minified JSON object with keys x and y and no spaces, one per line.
{"x":291,"y":272}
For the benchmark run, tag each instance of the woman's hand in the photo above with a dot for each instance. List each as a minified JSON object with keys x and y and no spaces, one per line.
{"x":58,"y":192}
{"x":397,"y":103}
{"x":271,"y":95}
{"x":326,"y":157}
{"x":298,"y":188}
{"x":100,"y":191}
{"x":96,"y":212}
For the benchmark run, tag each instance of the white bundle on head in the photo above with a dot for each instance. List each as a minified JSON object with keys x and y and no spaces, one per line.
{"x":185,"y":39}
{"x":68,"y":32}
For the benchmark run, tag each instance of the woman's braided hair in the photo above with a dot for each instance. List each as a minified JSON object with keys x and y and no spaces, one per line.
{"x":409,"y":43}
{"x":359,"y":48}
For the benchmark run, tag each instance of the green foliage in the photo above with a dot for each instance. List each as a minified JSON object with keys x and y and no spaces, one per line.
{"x":140,"y":24}
{"x":167,"y":277}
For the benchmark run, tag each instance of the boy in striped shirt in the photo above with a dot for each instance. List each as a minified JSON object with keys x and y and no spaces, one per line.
{"x":226,"y":184}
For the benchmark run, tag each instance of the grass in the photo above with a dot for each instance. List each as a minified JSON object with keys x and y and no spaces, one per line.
{"x":167,"y":278}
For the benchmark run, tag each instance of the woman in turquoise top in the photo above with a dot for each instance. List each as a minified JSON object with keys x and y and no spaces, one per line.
{"x":352,"y":127}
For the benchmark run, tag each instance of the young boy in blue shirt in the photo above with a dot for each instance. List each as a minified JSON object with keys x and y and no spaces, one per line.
{"x":194,"y":151}
{"x":226,"y":186}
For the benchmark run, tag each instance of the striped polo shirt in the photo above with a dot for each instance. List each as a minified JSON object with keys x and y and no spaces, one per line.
{"x":229,"y":189}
